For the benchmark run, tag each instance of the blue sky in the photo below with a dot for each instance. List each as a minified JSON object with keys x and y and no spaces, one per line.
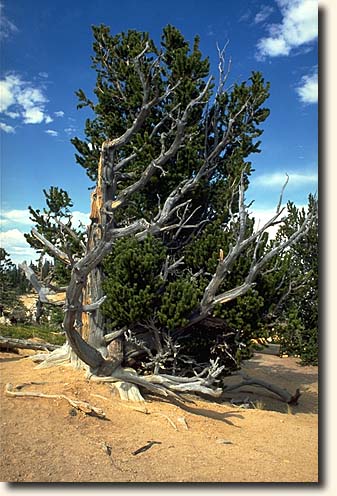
{"x":46,"y":48}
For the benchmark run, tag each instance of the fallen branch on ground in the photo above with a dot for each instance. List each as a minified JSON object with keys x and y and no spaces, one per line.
{"x":12,"y":343}
{"x":83,"y":406}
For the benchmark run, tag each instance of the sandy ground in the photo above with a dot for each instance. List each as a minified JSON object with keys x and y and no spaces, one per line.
{"x":43,"y":441}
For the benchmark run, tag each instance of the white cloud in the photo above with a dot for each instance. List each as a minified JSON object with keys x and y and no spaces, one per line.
{"x":14,"y":242}
{"x":274,"y":47}
{"x":7,"y":27}
{"x":12,"y":115}
{"x":16,"y":216}
{"x":43,"y":74}
{"x":277,"y":180}
{"x":80,"y":217}
{"x":7,"y":92}
{"x":59,"y":113}
{"x":33,"y":116}
{"x":308,"y":88}
{"x":21,"y":216}
{"x":6,"y":128}
{"x":19,"y":98}
{"x":299,"y":27}
{"x":51,"y":132}
{"x":264,"y":13}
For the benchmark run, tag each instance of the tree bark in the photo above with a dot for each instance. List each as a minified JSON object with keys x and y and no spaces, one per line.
{"x":93,"y":323}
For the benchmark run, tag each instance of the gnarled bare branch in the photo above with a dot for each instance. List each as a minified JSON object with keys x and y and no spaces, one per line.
{"x":61,"y":255}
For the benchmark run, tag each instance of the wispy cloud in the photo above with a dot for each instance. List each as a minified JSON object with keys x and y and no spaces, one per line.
{"x":51,"y":132}
{"x":308,"y":88}
{"x":59,"y":113}
{"x":70,"y":130}
{"x":7,"y":27}
{"x":277,"y":180}
{"x":263,"y":14}
{"x":19,"y":98}
{"x":245,"y":16}
{"x":299,"y":27}
{"x":6,"y":128}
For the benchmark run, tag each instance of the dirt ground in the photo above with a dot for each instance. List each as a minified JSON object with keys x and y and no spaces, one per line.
{"x":46,"y":440}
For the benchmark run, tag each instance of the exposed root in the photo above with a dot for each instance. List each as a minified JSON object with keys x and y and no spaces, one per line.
{"x":127,"y":382}
{"x":164,"y":385}
{"x":123,"y":380}
{"x":83,"y":406}
{"x":61,"y":356}
{"x":283,"y":394}
{"x":128,"y":391}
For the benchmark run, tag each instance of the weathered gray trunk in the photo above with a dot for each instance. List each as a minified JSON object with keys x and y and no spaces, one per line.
{"x":94,"y":328}
{"x":93,"y":322}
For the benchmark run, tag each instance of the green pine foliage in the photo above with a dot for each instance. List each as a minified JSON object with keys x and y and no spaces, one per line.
{"x":58,"y":208}
{"x":118,"y":98}
{"x":297,"y":323}
{"x":12,"y":284}
{"x":178,"y":301}
{"x":136,"y":290}
{"x":133,"y":281}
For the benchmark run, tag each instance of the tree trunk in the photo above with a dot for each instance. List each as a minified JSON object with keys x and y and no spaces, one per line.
{"x":93,"y":323}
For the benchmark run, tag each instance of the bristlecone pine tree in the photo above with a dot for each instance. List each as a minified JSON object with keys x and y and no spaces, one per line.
{"x":170,"y":240}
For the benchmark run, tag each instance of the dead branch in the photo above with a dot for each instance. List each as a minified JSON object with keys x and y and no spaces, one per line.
{"x":93,"y":306}
{"x":50,"y":247}
{"x":146,"y":447}
{"x":115,"y":334}
{"x":13,"y":343}
{"x":83,"y":406}
{"x":170,"y":268}
{"x":165,"y":385}
{"x":159,"y":162}
{"x":210,"y":297}
{"x":39,"y":288}
{"x":71,"y":233}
